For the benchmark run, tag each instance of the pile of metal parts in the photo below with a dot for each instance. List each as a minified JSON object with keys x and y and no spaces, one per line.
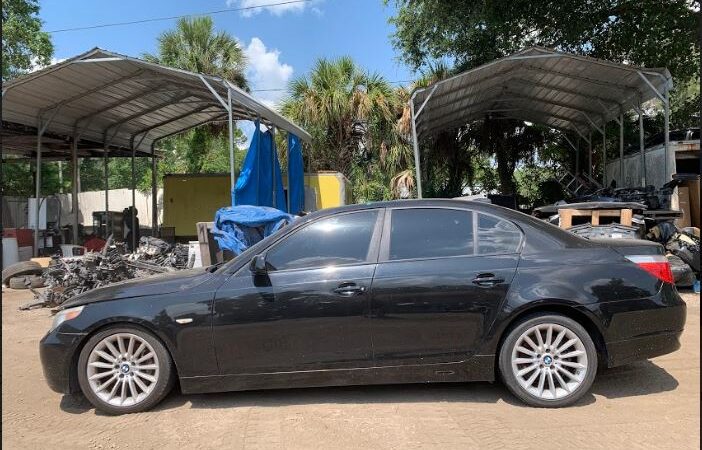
{"x":67,"y":277}
{"x":683,"y":251}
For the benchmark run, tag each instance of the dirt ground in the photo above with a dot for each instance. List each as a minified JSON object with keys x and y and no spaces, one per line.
{"x":652,"y":404}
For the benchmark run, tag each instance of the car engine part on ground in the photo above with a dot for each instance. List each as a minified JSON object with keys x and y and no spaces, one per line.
{"x":611,"y":231}
{"x":686,"y":247}
{"x":26,"y":281}
{"x":21,"y":268}
{"x":68,"y":277}
{"x":682,"y":272}
{"x":661,"y":232}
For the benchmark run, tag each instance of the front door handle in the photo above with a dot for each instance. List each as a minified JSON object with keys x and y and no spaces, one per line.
{"x":349,"y":289}
{"x":487,"y":280}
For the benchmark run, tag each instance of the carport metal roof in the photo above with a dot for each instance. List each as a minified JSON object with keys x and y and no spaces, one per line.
{"x":124,"y":103}
{"x":563,"y":91}
{"x":105,"y":103}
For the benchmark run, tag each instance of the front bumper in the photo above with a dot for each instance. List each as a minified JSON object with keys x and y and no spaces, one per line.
{"x":57,"y":351}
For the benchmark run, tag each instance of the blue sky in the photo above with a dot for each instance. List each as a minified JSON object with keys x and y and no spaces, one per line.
{"x":281,"y":43}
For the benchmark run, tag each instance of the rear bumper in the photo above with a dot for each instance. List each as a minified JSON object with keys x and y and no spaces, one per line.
{"x":625,"y":352}
{"x":641,"y":329}
{"x":57,"y":351}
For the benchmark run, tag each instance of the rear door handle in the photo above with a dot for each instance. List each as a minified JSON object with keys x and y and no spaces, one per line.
{"x":349,"y":289}
{"x":487,"y":280}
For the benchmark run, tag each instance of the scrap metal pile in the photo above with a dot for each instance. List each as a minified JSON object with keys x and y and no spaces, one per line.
{"x":67,"y":277}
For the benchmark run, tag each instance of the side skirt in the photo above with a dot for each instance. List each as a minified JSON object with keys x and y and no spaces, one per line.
{"x":477,"y":368}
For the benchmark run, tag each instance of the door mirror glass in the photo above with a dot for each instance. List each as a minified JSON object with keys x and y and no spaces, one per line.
{"x":258,"y":265}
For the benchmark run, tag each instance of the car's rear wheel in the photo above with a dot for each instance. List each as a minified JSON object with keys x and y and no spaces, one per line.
{"x":548,"y":361}
{"x":124,"y":370}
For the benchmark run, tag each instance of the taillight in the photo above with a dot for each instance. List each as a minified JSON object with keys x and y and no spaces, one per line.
{"x":656,"y":265}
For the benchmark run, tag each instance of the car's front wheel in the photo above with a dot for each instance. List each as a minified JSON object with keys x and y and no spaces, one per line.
{"x":548,"y":361}
{"x":124,"y":370}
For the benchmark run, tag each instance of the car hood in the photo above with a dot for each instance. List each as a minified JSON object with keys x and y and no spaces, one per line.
{"x":153,"y":285}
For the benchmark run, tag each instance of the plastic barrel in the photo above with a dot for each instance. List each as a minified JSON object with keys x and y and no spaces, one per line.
{"x":10,"y":251}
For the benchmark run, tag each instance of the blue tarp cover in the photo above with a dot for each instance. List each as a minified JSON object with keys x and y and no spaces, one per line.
{"x":239,"y":227}
{"x":296,"y":175}
{"x":255,"y":183}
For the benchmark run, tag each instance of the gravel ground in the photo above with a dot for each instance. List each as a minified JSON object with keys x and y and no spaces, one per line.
{"x":652,"y":404}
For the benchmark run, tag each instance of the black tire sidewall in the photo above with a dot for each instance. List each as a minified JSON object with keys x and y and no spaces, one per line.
{"x":163,"y":384}
{"x":505,"y":360}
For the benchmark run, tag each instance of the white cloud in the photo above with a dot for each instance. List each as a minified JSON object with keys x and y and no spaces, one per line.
{"x":278,"y":10}
{"x":36,"y":66}
{"x":265,"y":71}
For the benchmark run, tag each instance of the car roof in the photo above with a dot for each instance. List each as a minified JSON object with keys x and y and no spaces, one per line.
{"x":411,"y":203}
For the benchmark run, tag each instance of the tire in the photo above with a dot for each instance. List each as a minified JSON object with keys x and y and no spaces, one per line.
{"x":21,"y":268}
{"x":21,"y":282}
{"x":143,"y":400}
{"x":550,"y":363}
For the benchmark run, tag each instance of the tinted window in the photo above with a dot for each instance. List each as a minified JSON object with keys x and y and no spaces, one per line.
{"x":430,"y":233}
{"x":497,"y":236}
{"x":343,"y":239}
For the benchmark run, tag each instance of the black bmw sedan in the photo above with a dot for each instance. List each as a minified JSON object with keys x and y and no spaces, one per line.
{"x":397,"y":292}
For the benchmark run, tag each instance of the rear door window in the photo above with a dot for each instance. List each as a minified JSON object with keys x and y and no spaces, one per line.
{"x":497,"y":236}
{"x":430,"y":233}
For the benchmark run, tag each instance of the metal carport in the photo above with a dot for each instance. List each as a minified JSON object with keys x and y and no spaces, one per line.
{"x":563,"y":91}
{"x":104,"y":103}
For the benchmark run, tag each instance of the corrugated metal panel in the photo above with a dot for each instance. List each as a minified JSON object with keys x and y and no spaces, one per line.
{"x":560,"y":90}
{"x":100,"y":93}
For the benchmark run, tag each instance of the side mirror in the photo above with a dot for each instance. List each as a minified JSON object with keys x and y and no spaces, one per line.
{"x":258,"y":265}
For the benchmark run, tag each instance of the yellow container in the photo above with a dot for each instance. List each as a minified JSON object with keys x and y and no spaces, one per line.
{"x":192,"y":198}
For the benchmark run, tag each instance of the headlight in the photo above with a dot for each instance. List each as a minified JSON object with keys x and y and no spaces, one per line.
{"x":64,"y":315}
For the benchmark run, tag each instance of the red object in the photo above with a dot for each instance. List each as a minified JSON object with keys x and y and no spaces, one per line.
{"x":656,"y":265}
{"x":25,"y":236}
{"x":94,"y":244}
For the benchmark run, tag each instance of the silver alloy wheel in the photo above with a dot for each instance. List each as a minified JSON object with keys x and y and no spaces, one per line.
{"x":549,"y":361}
{"x":122,"y":369}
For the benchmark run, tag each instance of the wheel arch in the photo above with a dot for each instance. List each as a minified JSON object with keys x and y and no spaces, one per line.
{"x":563,"y":309}
{"x":73,"y":371}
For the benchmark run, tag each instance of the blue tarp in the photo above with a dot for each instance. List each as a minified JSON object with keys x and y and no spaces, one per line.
{"x":255,"y":183}
{"x":239,"y":227}
{"x":296,"y":175}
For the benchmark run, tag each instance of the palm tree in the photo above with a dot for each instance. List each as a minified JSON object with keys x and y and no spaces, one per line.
{"x":193,"y":45}
{"x":353,"y":118}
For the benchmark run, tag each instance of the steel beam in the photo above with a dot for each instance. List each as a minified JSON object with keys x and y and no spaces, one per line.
{"x":74,"y":188}
{"x":604,"y":153}
{"x":621,"y":150}
{"x":133,"y":225}
{"x":230,"y":123}
{"x":589,"y":154}
{"x":415,"y":147}
{"x":642,"y":147}
{"x":154,"y":193}
{"x":669,"y":158}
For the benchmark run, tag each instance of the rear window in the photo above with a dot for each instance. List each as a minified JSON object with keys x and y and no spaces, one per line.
{"x":497,"y":236}
{"x":430,"y":233}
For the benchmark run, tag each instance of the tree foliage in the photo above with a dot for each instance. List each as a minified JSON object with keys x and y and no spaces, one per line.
{"x":465,"y":34}
{"x":24,"y":44}
{"x":352,"y":116}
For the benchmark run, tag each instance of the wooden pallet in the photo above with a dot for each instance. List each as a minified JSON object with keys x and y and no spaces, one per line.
{"x":566,"y":216}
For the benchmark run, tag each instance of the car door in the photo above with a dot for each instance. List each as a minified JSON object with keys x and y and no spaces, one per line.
{"x":310,"y":310}
{"x":441,"y":277}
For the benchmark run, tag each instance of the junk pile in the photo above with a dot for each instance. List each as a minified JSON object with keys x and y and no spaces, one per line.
{"x":67,"y":277}
{"x":632,"y":213}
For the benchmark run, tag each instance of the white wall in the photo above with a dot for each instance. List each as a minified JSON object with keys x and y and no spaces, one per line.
{"x":89,"y":202}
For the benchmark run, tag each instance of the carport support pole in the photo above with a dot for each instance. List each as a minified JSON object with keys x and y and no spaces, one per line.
{"x":621,"y":151}
{"x":154,"y":194}
{"x":669,"y":159}
{"x":133,"y":225}
{"x":642,"y":147}
{"x":577,"y":157}
{"x":37,"y":206}
{"x":74,"y":188}
{"x":589,"y":154}
{"x":604,"y":153}
{"x":232,"y":177}
{"x":107,"y":191}
{"x":415,"y":146}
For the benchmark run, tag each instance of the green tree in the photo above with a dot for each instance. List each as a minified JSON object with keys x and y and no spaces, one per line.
{"x":467,"y":34}
{"x":195,"y":46}
{"x":24,"y":44}
{"x":352,"y":116}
